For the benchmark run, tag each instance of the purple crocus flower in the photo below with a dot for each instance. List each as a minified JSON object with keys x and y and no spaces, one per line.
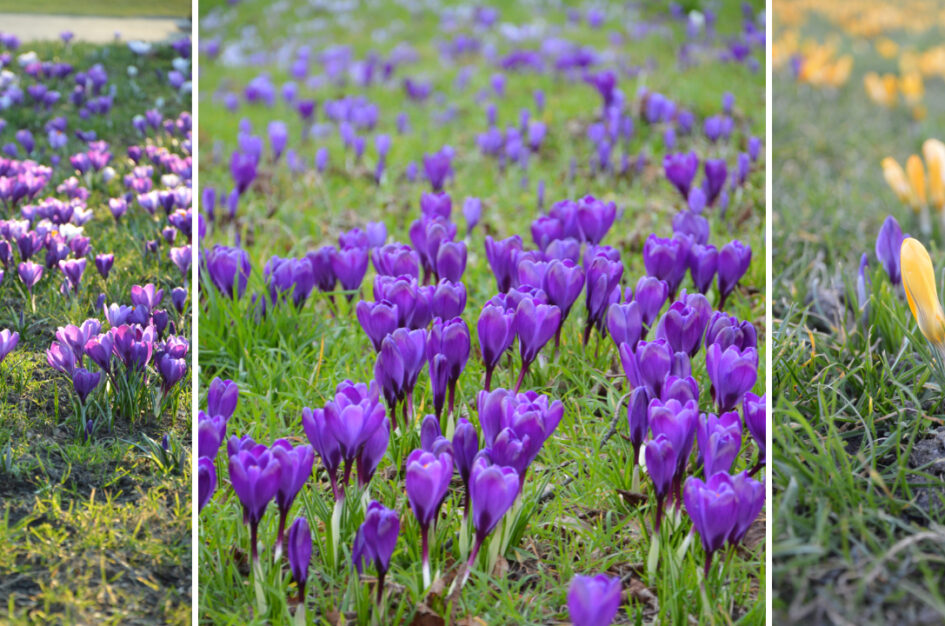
{"x":171,"y":369}
{"x":638,"y":420}
{"x":370,"y":455}
{"x":427,"y":481}
{"x":712,"y":505}
{"x":719,"y":438}
{"x":691,"y":224}
{"x":603,"y":274}
{"x":562,"y":284}
{"x":375,"y":541}
{"x":472,"y":211}
{"x":206,"y":481}
{"x":438,"y":167}
{"x":451,"y":260}
{"x":734,"y":259}
{"x":449,"y":299}
{"x":84,"y":382}
{"x":667,"y":259}
{"x":733,"y":373}
{"x":211,"y":431}
{"x":888,"y":243}
{"x":465,"y":449}
{"x":647,"y":364}
{"x":716,"y":173}
{"x":8,"y":342}
{"x":222,"y":396}
{"x":300,"y":553}
{"x":703,"y":264}
{"x":104,"y":263}
{"x":496,"y":334}
{"x":450,"y":338}
{"x":30,"y":273}
{"x":750,"y":496}
{"x":378,"y":319}
{"x":624,"y":323}
{"x":324,"y":442}
{"x":502,"y":257}
{"x":396,"y":259}
{"x":593,"y":600}
{"x":651,"y":294}
{"x":727,"y":330}
{"x":535,"y":324}
{"x":683,"y":324}
{"x":73,"y":269}
{"x":349,"y":265}
{"x":352,"y":418}
{"x":255,"y":475}
{"x":755,"y":418}
{"x":661,"y":460}
{"x":492,"y":490}
{"x":680,"y":170}
{"x":228,"y":269}
{"x":296,"y":468}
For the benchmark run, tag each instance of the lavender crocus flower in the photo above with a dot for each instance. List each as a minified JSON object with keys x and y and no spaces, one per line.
{"x":593,"y":600}
{"x":719,"y":438}
{"x":712,"y":505}
{"x":8,"y":342}
{"x":255,"y":475}
{"x":427,"y":481}
{"x":206,"y":481}
{"x":375,"y":541}
{"x":300,"y":553}
{"x":733,"y":373}
{"x":667,"y":260}
{"x":734,"y":260}
{"x":755,"y":417}
{"x":888,"y":243}
{"x":493,"y":489}
{"x":502,"y":259}
{"x":296,"y":468}
{"x":535,"y":324}
{"x":496,"y":334}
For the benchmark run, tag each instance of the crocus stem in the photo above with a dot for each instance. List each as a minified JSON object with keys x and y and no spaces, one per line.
{"x":521,"y":375}
{"x":280,"y":535}
{"x":346,"y":476}
{"x":708,"y":563}
{"x":253,"y":527}
{"x":754,"y":470}
{"x":557,"y":339}
{"x":405,"y":415}
{"x":452,"y":397}
{"x":587,"y":332}
{"x":472,"y":558}
{"x":425,"y":543}
{"x":380,"y":587}
{"x":722,"y":298}
{"x":488,"y":383}
{"x":659,"y":512}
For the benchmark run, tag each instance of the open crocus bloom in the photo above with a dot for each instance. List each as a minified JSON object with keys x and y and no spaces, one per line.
{"x":918,"y":277}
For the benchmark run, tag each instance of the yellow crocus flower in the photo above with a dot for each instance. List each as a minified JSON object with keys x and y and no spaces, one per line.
{"x":933,"y":151}
{"x":916,"y":174}
{"x":896,"y":178}
{"x":911,"y":87}
{"x":918,"y":278}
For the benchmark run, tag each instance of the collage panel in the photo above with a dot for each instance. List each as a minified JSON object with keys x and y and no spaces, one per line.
{"x":858,"y":219}
{"x":481,"y":313}
{"x":95,"y":323}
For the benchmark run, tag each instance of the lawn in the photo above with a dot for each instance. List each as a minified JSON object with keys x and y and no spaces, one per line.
{"x":859,"y":486}
{"x":582,"y":510}
{"x":101,"y":8}
{"x":95,"y":514}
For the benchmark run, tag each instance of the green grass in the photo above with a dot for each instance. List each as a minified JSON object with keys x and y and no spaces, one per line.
{"x":580,"y":523}
{"x":102,"y":8}
{"x":95,"y":532}
{"x":858,"y":480}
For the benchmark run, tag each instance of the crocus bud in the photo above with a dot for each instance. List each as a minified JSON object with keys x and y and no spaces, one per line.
{"x":727,"y":330}
{"x":427,"y":481}
{"x":8,"y":341}
{"x":754,"y":415}
{"x":660,"y":458}
{"x":451,"y":260}
{"x":535,"y":325}
{"x":492,"y":489}
{"x":378,"y":319}
{"x":651,"y":294}
{"x":375,"y":541}
{"x":624,"y":323}
{"x":222,"y":397}
{"x":716,"y":172}
{"x":637,"y":419}
{"x":300,"y":553}
{"x":680,"y":170}
{"x":104,"y":263}
{"x":888,"y":245}
{"x":693,"y":225}
{"x":496,"y":334}
{"x":593,"y":600}
{"x":647,"y":364}
{"x":684,"y":323}
{"x":734,"y":259}
{"x":324,"y":442}
{"x":255,"y":476}
{"x":206,"y":481}
{"x":703,"y":264}
{"x":296,"y":465}
{"x":918,"y":278}
{"x":449,"y":299}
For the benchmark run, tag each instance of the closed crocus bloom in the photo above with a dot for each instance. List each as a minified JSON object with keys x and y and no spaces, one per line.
{"x":300,"y":553}
{"x":888,"y":248}
{"x":496,"y":334}
{"x":682,"y":326}
{"x":733,"y":373}
{"x":104,"y":263}
{"x":661,"y":459}
{"x":296,"y":468}
{"x":229,"y":270}
{"x":206,"y":481}
{"x":465,"y":448}
{"x":171,"y":369}
{"x":666,"y":259}
{"x":692,"y":224}
{"x":30,"y":273}
{"x":349,"y":266}
{"x":472,"y":211}
{"x":352,"y":424}
{"x":449,"y":299}
{"x":750,"y":498}
{"x":637,"y":419}
{"x":624,"y":323}
{"x":546,"y":229}
{"x":322,"y":271}
{"x":222,"y":397}
{"x":916,"y":174}
{"x":602,"y":282}
{"x":502,"y":259}
{"x":375,"y":541}
{"x":896,"y":179}
{"x":651,"y":294}
{"x":564,"y":249}
{"x":719,"y":438}
{"x":647,"y":364}
{"x":563,"y":281}
{"x":934,"y":152}
{"x":84,"y":382}
{"x":535,"y":325}
{"x":378,"y":319}
{"x":678,"y":421}
{"x":255,"y":475}
{"x":371,"y":453}
{"x":716,"y":172}
{"x":713,"y":508}
{"x":427,"y":481}
{"x":594,"y":218}
{"x":703,"y":264}
{"x":8,"y":341}
{"x":593,"y":600}
{"x":439,"y":382}
{"x":492,"y":489}
{"x":210,"y":434}
{"x":734,"y":260}
{"x":324,"y":442}
{"x":451,"y":339}
{"x":680,"y":170}
{"x":451,"y":260}
{"x":918,"y":278}
{"x":754,"y":415}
